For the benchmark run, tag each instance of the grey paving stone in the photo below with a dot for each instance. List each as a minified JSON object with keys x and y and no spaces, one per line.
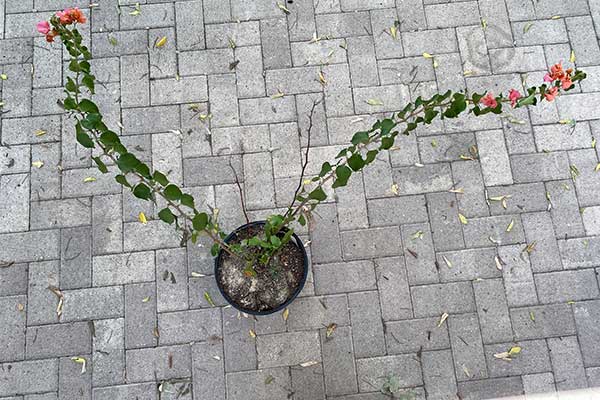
{"x":45,"y":182}
{"x":382,"y":98}
{"x":579,"y":253}
{"x":244,"y":33}
{"x":108,"y":358}
{"x":367,"y":327}
{"x":339,"y":366}
{"x":30,"y":246}
{"x":370,"y":243}
{"x":413,"y":335}
{"x":135,"y":85}
{"x":307,"y":383}
{"x":539,"y":383}
{"x":58,"y":340}
{"x":267,"y":110}
{"x":524,"y":198}
{"x":258,"y":181}
{"x":587,"y":315}
{"x":275,"y":43}
{"x":438,"y":376}
{"x":14,"y":208}
{"x":533,"y":358}
{"x":293,"y":348}
{"x":429,"y":41}
{"x":492,"y":309}
{"x":121,"y":269}
{"x":54,"y":213}
{"x":393,"y":287}
{"x":207,"y":369}
{"x":352,"y":205}
{"x":316,"y":312}
{"x":518,"y":277}
{"x":372,"y":371}
{"x":565,"y":213}
{"x":171,"y":296}
{"x":72,"y":383}
{"x":223,"y":105}
{"x":542,"y":321}
{"x":153,"y":235}
{"x":466,"y":265}
{"x":357,"y":275}
{"x":567,"y":363}
{"x":467,"y":347}
{"x":499,"y":387}
{"x":141,"y":323}
{"x":397,"y":210}
{"x":239,"y":345}
{"x":481,"y":232}
{"x":444,"y":221}
{"x":567,"y":286}
{"x":250,"y":81}
{"x":586,"y":182}
{"x":592,"y":375}
{"x":15,"y":277}
{"x":319,"y":53}
{"x":13,"y":317}
{"x":93,"y":303}
{"x":29,"y":377}
{"x":13,"y":129}
{"x":338,"y":25}
{"x":362,"y":61}
{"x":188,"y":326}
{"x":421,"y":266}
{"x":250,"y":385}
{"x":159,"y":363}
{"x":517,"y":59}
{"x":494,"y":158}
{"x":434,"y":300}
{"x":186,"y":90}
{"x":123,"y":392}
{"x":562,"y":137}
{"x":197,"y":289}
{"x":41,"y":302}
{"x":539,"y":167}
{"x":591,"y":220}
{"x":129,"y":42}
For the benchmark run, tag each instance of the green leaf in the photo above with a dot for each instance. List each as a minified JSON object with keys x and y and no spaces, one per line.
{"x":100,"y":164}
{"x":127,"y":162}
{"x":325,"y":168}
{"x":387,"y":143}
{"x":88,"y":106}
{"x":160,"y":178}
{"x":275,"y":241}
{"x":166,"y":215}
{"x":70,"y":103}
{"x":302,"y":220}
{"x":356,"y":161}
{"x":200,"y":221}
{"x":527,"y":101}
{"x":430,"y":114}
{"x":74,"y":66}
{"x":214,"y":250}
{"x":71,"y":86}
{"x":85,"y":66}
{"x":83,"y":138}
{"x":318,"y":194}
{"x":371,"y":155}
{"x":343,"y":174}
{"x":141,"y":191}
{"x":360,"y":137}
{"x":122,"y":180}
{"x":386,"y":126}
{"x":172,"y":192}
{"x":143,"y":170}
{"x":88,"y":82}
{"x":109,"y":138}
{"x":187,"y":200}
{"x":91,"y":121}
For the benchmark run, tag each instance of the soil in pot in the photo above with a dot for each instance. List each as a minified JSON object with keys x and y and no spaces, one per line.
{"x":273,"y":284}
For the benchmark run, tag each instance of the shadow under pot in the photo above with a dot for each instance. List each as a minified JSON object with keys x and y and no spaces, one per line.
{"x":274,"y":286}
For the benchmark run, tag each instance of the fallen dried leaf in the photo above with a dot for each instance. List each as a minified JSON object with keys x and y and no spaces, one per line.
{"x":308,"y":364}
{"x":61,"y":298}
{"x":277,"y":95}
{"x":89,"y":179}
{"x":80,"y":360}
{"x":161,"y":42}
{"x":252,"y":333}
{"x":556,"y":17}
{"x":572,"y":57}
{"x":269,"y":379}
{"x":142,"y":218}
{"x":20,"y":307}
{"x":39,"y":132}
{"x":395,"y":189}
{"x":3,"y":77}
{"x":448,"y":263}
{"x":197,"y":274}
{"x":499,"y":263}
{"x":285,"y":314}
{"x":463,"y":219}
{"x":527,"y":27}
{"x":137,"y":10}
{"x":330,"y":329}
{"x":145,"y":299}
{"x":283,"y":8}
{"x":510,"y":226}
{"x":532,"y":316}
{"x":37,"y":164}
{"x":374,"y":102}
{"x":443,"y":318}
{"x":209,"y":299}
{"x":427,"y":55}
{"x":417,"y":235}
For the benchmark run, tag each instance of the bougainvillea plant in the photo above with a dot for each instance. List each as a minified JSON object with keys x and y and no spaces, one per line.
{"x":181,"y":210}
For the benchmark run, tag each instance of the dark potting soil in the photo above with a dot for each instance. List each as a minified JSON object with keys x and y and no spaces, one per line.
{"x":273,"y":284}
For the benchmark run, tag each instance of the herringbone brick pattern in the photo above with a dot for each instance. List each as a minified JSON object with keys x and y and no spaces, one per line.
{"x":422,"y":301}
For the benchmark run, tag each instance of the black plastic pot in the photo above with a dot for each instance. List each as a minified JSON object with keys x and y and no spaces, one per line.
{"x":218,"y":261}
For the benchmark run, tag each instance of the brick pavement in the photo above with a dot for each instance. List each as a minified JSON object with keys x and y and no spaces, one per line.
{"x":385,"y":266}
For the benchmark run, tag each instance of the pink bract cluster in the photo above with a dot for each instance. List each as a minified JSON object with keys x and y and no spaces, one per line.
{"x":65,"y":17}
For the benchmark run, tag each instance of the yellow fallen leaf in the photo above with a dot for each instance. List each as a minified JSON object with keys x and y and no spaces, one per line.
{"x":435,"y":63}
{"x":597,"y":167}
{"x":530,"y":247}
{"x":556,"y":17}
{"x":570,"y":302}
{"x":61,"y":298}
{"x":514,"y":350}
{"x":394,"y":32}
{"x":37,"y":164}
{"x":161,"y":42}
{"x":40,"y":132}
{"x":593,"y":143}
{"x":89,"y":179}
{"x":145,"y":299}
{"x":443,"y":318}
{"x":427,"y":55}
{"x":374,"y":102}
{"x":498,"y":261}
{"x":322,"y":78}
{"x":505,"y":355}
{"x":142,"y":218}
{"x":395,"y":189}
{"x":417,"y":235}
{"x":468,"y":73}
{"x":463,"y":219}
{"x":330,"y":329}
{"x":527,"y":27}
{"x":448,"y":263}
{"x":458,"y":190}
{"x":252,"y":333}
{"x":283,"y":8}
{"x":532,"y":316}
{"x":209,"y":299}
{"x":197,"y":274}
{"x":484,"y":24}
{"x":80,"y":360}
{"x":308,"y":364}
{"x":277,"y":95}
{"x":572,"y":57}
{"x":3,"y":77}
{"x":510,"y":226}
{"x":137,"y":10}
{"x":20,"y":307}
{"x":286,"y":314}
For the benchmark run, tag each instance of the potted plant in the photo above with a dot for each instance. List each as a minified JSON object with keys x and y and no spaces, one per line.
{"x":262,"y":266}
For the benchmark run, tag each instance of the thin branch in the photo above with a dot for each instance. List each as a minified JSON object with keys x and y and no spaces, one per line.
{"x":305,"y":162}
{"x":239,"y":186}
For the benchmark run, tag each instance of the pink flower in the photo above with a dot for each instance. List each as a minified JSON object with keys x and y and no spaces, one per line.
{"x":547,"y":78}
{"x":567,"y":82}
{"x":43,"y":27}
{"x":489,"y":101}
{"x":65,"y":16}
{"x":514,"y":95}
{"x":551,"y":93}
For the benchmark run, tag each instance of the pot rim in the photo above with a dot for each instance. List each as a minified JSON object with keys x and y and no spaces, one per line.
{"x":218,"y":261}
